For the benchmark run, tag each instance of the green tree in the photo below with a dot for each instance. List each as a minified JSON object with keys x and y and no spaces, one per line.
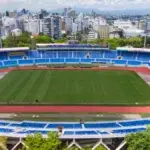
{"x":43,"y":39}
{"x":100,"y":147}
{"x":139,"y":141}
{"x":3,"y":143}
{"x":62,"y":40}
{"x":38,"y":142}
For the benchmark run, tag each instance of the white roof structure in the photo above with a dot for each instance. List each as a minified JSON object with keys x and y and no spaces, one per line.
{"x":14,"y":49}
{"x":50,"y":44}
{"x":133,"y":49}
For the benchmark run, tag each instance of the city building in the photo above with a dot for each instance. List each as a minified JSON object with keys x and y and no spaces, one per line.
{"x":74,"y":28}
{"x":147,"y":25}
{"x":32,"y":26}
{"x":57,"y":27}
{"x":123,"y":24}
{"x":133,"y":32}
{"x":103,"y":31}
{"x":47,"y":26}
{"x":68,"y":24}
{"x":52,"y":26}
{"x":20,"y":24}
{"x":16,"y":32}
{"x":114,"y":34}
{"x":92,"y":35}
{"x":1,"y":26}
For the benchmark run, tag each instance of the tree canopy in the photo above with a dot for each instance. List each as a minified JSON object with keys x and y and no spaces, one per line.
{"x":52,"y":142}
{"x":25,"y":40}
{"x":38,"y":142}
{"x":139,"y":140}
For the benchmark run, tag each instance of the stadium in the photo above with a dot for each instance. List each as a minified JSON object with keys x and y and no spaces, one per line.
{"x":75,"y":78}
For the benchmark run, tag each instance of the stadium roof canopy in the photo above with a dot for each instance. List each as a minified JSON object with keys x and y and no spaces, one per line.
{"x":64,"y":46}
{"x":132,"y":49}
{"x":14,"y":49}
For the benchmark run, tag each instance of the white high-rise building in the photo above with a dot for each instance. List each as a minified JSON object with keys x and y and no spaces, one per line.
{"x":32,"y":25}
{"x":68,"y":24}
{"x":123,"y":24}
{"x":74,"y":28}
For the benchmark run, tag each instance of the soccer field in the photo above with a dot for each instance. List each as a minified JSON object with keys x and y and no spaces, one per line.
{"x":73,"y":87}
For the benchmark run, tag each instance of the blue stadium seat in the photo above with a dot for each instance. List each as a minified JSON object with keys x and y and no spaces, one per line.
{"x":49,"y":54}
{"x":102,"y":132}
{"x":41,"y":61}
{"x":79,"y":54}
{"x":1,"y":63}
{"x":127,"y":55}
{"x":3,"y":123}
{"x":26,"y":62}
{"x":69,"y":133}
{"x":16,"y":57}
{"x":101,"y":125}
{"x":119,"y":62}
{"x":72,"y":60}
{"x":86,"y":60}
{"x":57,"y":60}
{"x":34,"y":54}
{"x":10,"y":63}
{"x":26,"y":124}
{"x":143,"y":56}
{"x":135,"y":123}
{"x":125,"y":131}
{"x":32,"y":132}
{"x":103,"y":60}
{"x":97,"y":54}
{"x":145,"y":63}
{"x":134,"y":63}
{"x":6,"y":130}
{"x":64,"y":54}
{"x":3,"y":56}
{"x":15,"y":124}
{"x":65,"y":125}
{"x":85,"y":133}
{"x":110,"y":54}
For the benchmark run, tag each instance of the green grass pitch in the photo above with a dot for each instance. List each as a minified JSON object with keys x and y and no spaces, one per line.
{"x":73,"y":87}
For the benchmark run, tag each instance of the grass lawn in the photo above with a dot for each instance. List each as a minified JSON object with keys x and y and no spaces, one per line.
{"x":73,"y":87}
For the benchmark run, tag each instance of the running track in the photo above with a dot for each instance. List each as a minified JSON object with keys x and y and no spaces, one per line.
{"x":77,"y":109}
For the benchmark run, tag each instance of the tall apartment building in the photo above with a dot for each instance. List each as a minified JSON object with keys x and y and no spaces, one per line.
{"x":47,"y":26}
{"x":52,"y":26}
{"x":32,"y":25}
{"x":1,"y":25}
{"x":103,"y":31}
{"x":57,"y":27}
{"x":147,"y":25}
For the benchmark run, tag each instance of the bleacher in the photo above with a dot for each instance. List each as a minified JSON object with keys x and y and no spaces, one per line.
{"x":76,"y":129}
{"x":83,"y":53}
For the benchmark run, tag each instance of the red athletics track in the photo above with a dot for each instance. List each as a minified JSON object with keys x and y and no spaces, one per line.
{"x":77,"y":109}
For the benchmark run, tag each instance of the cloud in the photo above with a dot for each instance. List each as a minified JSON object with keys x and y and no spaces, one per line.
{"x":55,"y":4}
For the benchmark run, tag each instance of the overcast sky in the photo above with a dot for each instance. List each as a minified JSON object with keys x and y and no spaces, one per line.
{"x":55,"y":4}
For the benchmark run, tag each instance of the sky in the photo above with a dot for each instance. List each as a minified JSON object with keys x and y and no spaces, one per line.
{"x":36,"y":5}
